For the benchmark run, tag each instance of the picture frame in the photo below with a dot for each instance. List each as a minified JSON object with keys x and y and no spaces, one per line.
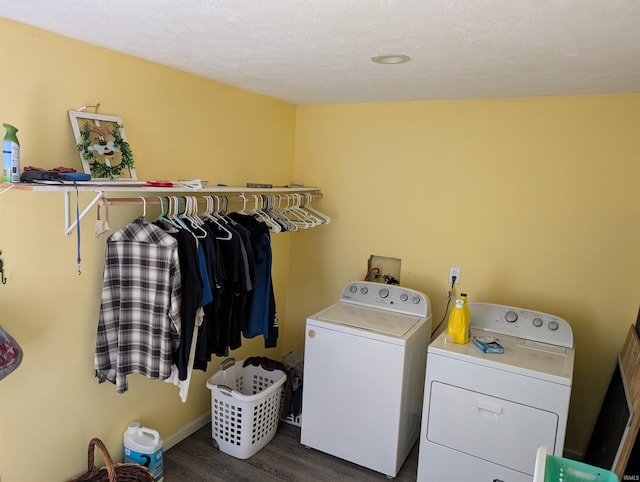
{"x":102,"y":145}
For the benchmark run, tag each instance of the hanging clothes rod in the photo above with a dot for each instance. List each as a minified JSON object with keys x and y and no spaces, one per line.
{"x":100,"y":198}
{"x":122,"y":201}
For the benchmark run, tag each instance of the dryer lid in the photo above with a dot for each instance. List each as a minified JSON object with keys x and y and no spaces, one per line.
{"x":524,"y":357}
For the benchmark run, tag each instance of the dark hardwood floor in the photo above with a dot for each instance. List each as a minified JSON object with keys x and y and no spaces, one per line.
{"x":283,"y":458}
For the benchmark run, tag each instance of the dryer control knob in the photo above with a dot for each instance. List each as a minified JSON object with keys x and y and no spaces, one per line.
{"x":537,"y":322}
{"x":511,"y":316}
{"x":384,"y":292}
{"x":312,"y":333}
{"x":415,"y":299}
{"x":353,"y":288}
{"x":404,"y":297}
{"x":364,"y":290}
{"x":553,"y":325}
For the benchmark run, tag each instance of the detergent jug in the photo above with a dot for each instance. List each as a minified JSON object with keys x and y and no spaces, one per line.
{"x":143,"y":446}
{"x":458,"y":326}
{"x":463,"y":297}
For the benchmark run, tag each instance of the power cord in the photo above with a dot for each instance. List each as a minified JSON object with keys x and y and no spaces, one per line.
{"x":375,"y":271}
{"x":446,"y":309}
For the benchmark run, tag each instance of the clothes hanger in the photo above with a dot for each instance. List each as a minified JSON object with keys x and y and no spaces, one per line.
{"x":307,"y":206}
{"x":284,"y":209}
{"x":173,"y":210}
{"x":274,"y":214}
{"x":295,"y":215}
{"x":162,"y":217}
{"x":244,"y":203}
{"x":191,"y":212}
{"x":209,"y":214}
{"x":223,"y":212}
{"x":312,"y":218}
{"x":308,"y":213}
{"x":262,"y":215}
{"x":280,"y":210}
{"x":144,"y":206}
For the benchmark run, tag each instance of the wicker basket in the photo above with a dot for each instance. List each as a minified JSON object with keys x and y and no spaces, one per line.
{"x":127,"y":472}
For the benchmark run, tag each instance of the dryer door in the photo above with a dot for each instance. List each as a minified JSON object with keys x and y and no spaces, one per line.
{"x":496,"y":430}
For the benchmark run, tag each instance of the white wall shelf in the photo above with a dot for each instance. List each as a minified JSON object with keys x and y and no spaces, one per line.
{"x":102,"y":188}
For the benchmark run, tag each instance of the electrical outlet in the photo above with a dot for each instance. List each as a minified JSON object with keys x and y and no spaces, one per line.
{"x":454,"y":271}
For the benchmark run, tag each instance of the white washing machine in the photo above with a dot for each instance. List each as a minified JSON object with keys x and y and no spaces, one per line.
{"x":364,"y":368}
{"x":486,"y":414}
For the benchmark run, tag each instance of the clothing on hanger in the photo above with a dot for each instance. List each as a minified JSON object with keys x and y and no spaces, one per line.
{"x":260,"y":316}
{"x":139,"y":323}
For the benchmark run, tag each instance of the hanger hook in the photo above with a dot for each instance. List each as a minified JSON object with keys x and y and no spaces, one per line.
{"x":161,"y":205}
{"x":144,"y":206}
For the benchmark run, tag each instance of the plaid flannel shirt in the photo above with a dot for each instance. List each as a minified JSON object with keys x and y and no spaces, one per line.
{"x":139,"y":322}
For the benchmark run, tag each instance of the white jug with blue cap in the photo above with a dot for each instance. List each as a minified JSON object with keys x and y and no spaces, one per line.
{"x":143,"y":446}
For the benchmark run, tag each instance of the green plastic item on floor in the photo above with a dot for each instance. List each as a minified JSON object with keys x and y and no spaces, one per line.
{"x":551,"y":468}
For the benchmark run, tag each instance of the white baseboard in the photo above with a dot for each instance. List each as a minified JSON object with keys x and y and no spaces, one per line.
{"x":184,"y":432}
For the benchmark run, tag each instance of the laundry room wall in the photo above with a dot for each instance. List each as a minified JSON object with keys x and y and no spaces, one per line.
{"x":536,"y":199}
{"x":180,"y":127}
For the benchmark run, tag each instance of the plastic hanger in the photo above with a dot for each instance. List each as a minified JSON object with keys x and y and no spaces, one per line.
{"x":162,"y":217}
{"x":262,"y":215}
{"x":295,"y":215}
{"x":307,"y":206}
{"x":144,"y":206}
{"x":244,"y":204}
{"x":275,"y":214}
{"x":173,"y":210}
{"x":209,"y":214}
{"x":191,"y":214}
{"x":280,"y":210}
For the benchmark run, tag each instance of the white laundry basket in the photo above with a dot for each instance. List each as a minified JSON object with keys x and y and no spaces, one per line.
{"x":245,"y":403}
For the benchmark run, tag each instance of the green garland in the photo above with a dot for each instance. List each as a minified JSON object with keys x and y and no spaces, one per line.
{"x":100,"y":169}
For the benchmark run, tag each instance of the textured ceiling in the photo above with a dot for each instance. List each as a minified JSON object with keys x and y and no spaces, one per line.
{"x":316,"y":52}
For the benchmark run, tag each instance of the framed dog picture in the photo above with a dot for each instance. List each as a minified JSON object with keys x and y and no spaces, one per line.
{"x":102,"y":145}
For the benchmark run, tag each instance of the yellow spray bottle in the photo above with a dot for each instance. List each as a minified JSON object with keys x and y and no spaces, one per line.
{"x":458,"y":326}
{"x":463,"y":297}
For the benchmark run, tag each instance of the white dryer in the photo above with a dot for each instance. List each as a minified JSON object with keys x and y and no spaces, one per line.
{"x":486,"y":414}
{"x":364,"y":368}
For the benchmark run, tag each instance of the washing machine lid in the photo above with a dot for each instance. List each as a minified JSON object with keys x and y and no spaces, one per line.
{"x":521,"y":356}
{"x":374,"y":320}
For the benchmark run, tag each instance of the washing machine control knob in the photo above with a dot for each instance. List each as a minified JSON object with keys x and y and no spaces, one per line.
{"x":553,"y":325}
{"x":511,"y":316}
{"x":404,"y":297}
{"x":384,"y":292}
{"x":364,"y":290}
{"x":415,"y":299}
{"x":537,"y":322}
{"x":353,"y":288}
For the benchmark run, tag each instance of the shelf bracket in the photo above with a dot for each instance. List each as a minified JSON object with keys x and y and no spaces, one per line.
{"x":70,"y":225}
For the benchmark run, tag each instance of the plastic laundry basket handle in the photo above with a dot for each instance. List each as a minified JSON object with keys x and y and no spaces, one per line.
{"x":228,"y":363}
{"x":225,"y":389}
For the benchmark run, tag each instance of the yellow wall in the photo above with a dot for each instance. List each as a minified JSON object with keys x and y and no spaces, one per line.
{"x":180,"y":127}
{"x":536,"y":199}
